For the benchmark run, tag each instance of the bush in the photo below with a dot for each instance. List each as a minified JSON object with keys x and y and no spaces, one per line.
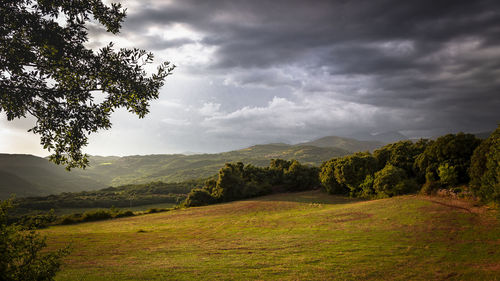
{"x":96,"y":215}
{"x":199,"y":197}
{"x":123,"y":214}
{"x":23,"y":255}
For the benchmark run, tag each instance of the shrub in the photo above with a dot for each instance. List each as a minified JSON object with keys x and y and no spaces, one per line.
{"x":199,"y":197}
{"x":123,"y":214}
{"x":96,"y":215}
{"x":23,"y":255}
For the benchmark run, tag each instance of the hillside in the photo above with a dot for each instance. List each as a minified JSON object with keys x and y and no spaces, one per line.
{"x":28,"y":175}
{"x":348,"y":144}
{"x":383,"y":137}
{"x":177,"y":167}
{"x":294,"y":236}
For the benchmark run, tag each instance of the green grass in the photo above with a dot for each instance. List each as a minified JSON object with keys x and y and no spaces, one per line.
{"x":297,"y":236}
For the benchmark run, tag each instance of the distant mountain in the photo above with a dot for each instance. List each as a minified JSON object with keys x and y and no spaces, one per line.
{"x":177,"y":167}
{"x":483,"y":135}
{"x":384,"y":137}
{"x":348,"y":144}
{"x":28,"y":175}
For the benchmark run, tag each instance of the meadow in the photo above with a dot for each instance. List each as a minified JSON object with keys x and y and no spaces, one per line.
{"x":291,"y":236}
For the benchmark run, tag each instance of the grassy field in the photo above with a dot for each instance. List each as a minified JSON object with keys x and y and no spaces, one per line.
{"x":297,"y":236}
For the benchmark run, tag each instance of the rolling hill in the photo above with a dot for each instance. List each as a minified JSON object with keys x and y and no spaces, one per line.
{"x":28,"y":175}
{"x":293,"y":236}
{"x":177,"y":167}
{"x":349,"y":144}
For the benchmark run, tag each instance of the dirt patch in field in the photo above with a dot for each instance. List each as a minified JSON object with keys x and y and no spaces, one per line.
{"x":489,"y":267}
{"x":458,"y":204}
{"x":346,"y":217}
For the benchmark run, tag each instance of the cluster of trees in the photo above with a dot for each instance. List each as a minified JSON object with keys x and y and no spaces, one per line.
{"x":453,"y":161}
{"x":95,"y":215}
{"x":484,"y":171}
{"x":238,"y":181}
{"x":121,"y":196}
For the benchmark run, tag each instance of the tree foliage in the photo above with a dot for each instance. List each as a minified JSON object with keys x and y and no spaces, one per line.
{"x":447,"y":175}
{"x":400,"y":154}
{"x":328,"y":180}
{"x":199,"y":197}
{"x":351,"y":171}
{"x":454,"y":150}
{"x":47,"y":71}
{"x":238,"y":181}
{"x":392,"y":181}
{"x":22,"y":252}
{"x":299,"y":177}
{"x":485,"y":169}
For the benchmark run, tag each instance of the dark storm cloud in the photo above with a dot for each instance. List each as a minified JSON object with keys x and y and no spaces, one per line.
{"x":438,"y":58}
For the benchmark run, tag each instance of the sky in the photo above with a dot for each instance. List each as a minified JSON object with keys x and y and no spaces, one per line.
{"x":255,"y":72}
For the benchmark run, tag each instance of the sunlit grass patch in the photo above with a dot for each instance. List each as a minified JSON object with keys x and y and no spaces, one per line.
{"x":294,"y":236}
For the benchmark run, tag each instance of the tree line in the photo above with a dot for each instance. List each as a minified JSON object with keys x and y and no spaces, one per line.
{"x":456,"y":162}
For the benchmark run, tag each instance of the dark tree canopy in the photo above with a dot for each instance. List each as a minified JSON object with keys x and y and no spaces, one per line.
{"x":485,"y":169}
{"x":47,"y":72}
{"x":454,"y":150}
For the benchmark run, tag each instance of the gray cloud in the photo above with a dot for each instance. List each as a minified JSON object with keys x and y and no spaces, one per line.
{"x":293,"y":70}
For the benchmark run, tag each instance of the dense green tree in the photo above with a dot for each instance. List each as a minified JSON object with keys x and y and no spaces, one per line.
{"x":367,"y":190}
{"x":22,"y":251}
{"x":400,"y":154}
{"x":389,"y":181}
{"x":300,"y":177}
{"x":455,"y":150}
{"x":47,"y":71}
{"x":447,"y":175}
{"x":351,"y":171}
{"x":328,"y":180}
{"x":230,"y":183}
{"x":485,"y":169}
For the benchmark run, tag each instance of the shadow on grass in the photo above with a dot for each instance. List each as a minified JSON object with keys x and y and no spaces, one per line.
{"x":314,"y":196}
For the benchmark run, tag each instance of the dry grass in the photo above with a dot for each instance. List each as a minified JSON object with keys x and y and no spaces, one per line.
{"x":296,"y":236}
